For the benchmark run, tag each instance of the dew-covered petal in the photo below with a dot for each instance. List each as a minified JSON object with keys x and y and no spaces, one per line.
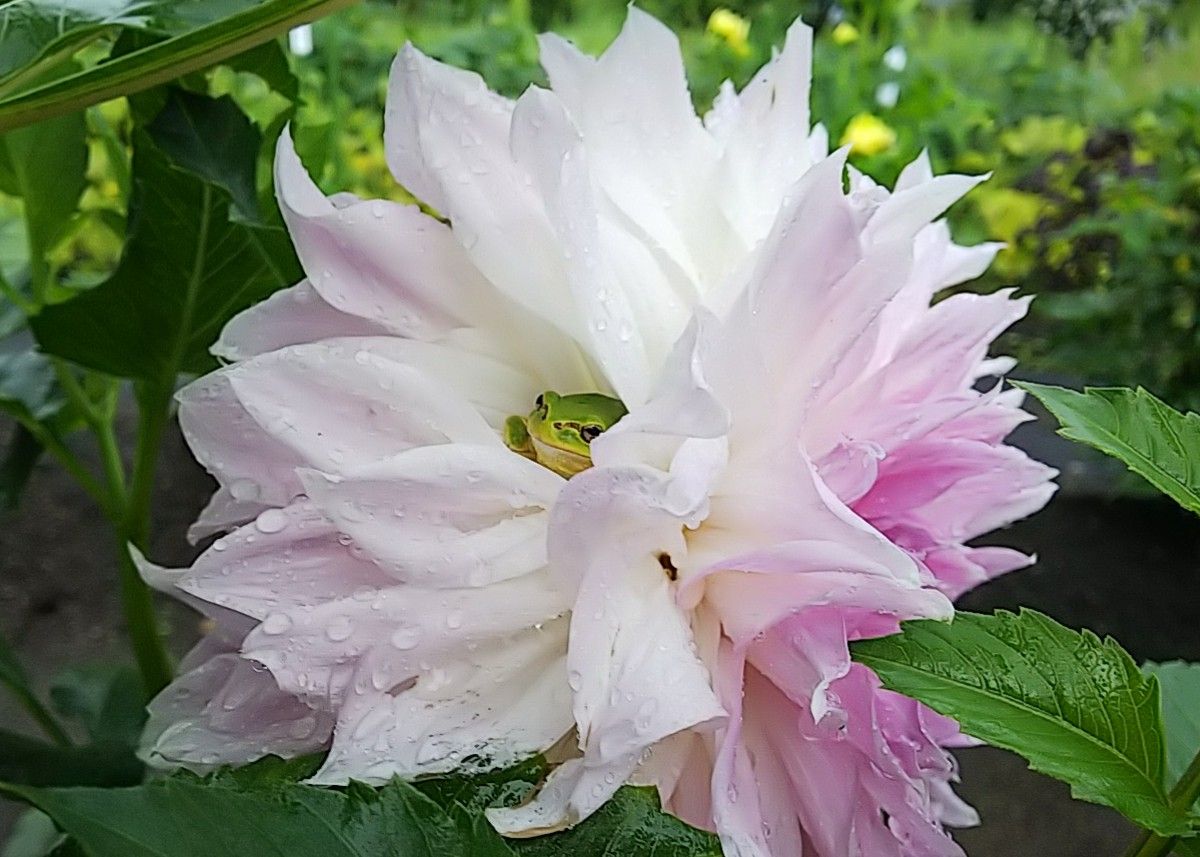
{"x":447,"y":139}
{"x":442,"y":516}
{"x":487,"y":709}
{"x":291,"y":316}
{"x":316,"y":652}
{"x":340,"y":403}
{"x":631,"y":663}
{"x":252,"y":465}
{"x":228,"y":711}
{"x":285,"y":559}
{"x":382,"y":261}
{"x":626,"y":340}
{"x":634,"y":98}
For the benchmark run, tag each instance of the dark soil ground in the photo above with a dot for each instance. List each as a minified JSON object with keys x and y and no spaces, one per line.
{"x":1121,"y":567}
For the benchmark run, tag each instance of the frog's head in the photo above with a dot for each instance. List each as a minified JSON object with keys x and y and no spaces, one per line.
{"x":562,"y":428}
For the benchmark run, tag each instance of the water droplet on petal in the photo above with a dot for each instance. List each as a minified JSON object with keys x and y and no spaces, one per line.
{"x":271,"y":521}
{"x":276,"y":623}
{"x":244,"y":490}
{"x":340,"y":628}
{"x":406,"y":637}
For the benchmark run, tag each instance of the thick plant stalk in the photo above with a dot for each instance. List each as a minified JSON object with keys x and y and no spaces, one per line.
{"x":149,"y":648}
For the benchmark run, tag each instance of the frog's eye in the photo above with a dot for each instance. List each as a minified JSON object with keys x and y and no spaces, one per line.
{"x":590,"y":432}
{"x":540,"y":401}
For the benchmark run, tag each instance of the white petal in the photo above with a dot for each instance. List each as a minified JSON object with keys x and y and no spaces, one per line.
{"x":382,"y":637}
{"x":222,"y":513}
{"x":635,"y":98}
{"x":338,"y":404}
{"x":907,"y":211}
{"x":682,"y":409}
{"x":548,"y":145}
{"x":417,"y":86}
{"x":288,"y":317}
{"x":761,"y":129}
{"x":389,"y":263}
{"x":631,"y":661}
{"x":498,"y":705}
{"x":288,"y":558}
{"x":448,"y":141}
{"x":233,"y":447}
{"x":228,"y":711}
{"x":230,"y":624}
{"x":451,"y":515}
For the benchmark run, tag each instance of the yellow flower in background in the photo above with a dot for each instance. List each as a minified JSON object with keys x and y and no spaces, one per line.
{"x":867,"y":134}
{"x":732,"y":28}
{"x":845,"y":33}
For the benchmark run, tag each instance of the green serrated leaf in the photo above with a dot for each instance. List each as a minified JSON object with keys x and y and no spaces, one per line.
{"x":105,"y":698}
{"x":33,"y":762}
{"x":1076,"y":707}
{"x":206,"y":45}
{"x":212,"y":139}
{"x":498,"y":788}
{"x":186,"y":270}
{"x":631,"y":823}
{"x":183,"y":817}
{"x":1153,"y":439}
{"x":269,"y":771}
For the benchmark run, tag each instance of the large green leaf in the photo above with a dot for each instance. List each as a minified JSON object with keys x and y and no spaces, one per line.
{"x":1180,"y":684}
{"x":185,"y":817}
{"x":1153,"y":439}
{"x":186,"y":270}
{"x":497,"y":788}
{"x":39,"y":34}
{"x":33,"y":835}
{"x":632,"y":823}
{"x":213,"y":41}
{"x":212,"y":139}
{"x":106,"y":699}
{"x":31,"y":761}
{"x":1076,"y":707}
{"x":262,"y":809}
{"x":48,"y":161}
{"x":1181,"y":714}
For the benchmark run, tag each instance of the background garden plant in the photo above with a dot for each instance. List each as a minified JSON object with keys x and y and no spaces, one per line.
{"x":137,"y":227}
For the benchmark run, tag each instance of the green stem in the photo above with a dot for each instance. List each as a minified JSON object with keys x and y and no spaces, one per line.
{"x":101,"y":420}
{"x":154,"y":402}
{"x":42,"y":717}
{"x":1185,"y":793}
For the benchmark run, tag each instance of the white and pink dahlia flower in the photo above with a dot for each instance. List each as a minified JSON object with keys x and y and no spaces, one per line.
{"x":807,"y":452}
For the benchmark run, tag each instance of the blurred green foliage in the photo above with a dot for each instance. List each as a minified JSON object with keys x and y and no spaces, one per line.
{"x":1092,"y":134}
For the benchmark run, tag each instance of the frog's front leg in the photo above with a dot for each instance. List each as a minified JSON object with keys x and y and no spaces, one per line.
{"x":516,"y":437}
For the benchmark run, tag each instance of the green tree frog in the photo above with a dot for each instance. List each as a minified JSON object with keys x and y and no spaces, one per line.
{"x":559,"y":431}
